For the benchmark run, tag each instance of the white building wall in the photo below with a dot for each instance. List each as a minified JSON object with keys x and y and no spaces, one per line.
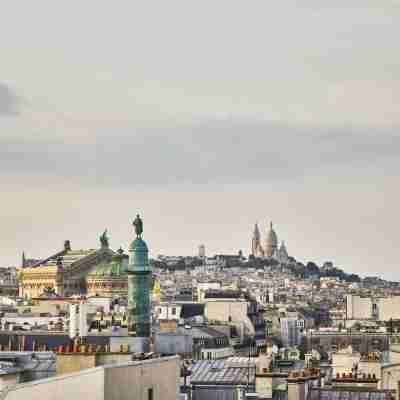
{"x":9,"y":380}
{"x":82,"y":385}
{"x":343,"y":362}
{"x":114,"y":382}
{"x":83,"y":328}
{"x":73,"y":322}
{"x":162,"y":376}
{"x":226,"y":310}
{"x":215,"y":354}
{"x":390,"y":378}
{"x":389,"y":308}
{"x":289,"y":332}
{"x":169,"y":311}
{"x":358,"y":307}
{"x":30,"y":320}
{"x":97,"y":302}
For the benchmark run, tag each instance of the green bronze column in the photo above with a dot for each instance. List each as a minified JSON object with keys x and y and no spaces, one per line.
{"x":139,"y":285}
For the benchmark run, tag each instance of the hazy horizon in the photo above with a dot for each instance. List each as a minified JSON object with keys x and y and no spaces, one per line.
{"x":205,"y":118}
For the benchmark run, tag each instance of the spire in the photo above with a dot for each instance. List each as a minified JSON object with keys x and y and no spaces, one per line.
{"x":271,"y":242}
{"x":23,"y":260}
{"x":256,"y":234}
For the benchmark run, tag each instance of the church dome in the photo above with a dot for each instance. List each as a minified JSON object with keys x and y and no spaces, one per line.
{"x":271,"y":243}
{"x":116,"y":267}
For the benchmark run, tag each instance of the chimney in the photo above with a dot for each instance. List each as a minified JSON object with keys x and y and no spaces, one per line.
{"x":263,"y":363}
{"x":296,"y":386}
{"x":83,"y":329}
{"x":72,"y":320}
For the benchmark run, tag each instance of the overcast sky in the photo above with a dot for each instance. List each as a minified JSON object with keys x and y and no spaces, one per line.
{"x":205,"y":117}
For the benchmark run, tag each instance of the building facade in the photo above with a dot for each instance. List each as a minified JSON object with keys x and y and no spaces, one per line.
{"x":367,"y":307}
{"x":64,"y":273}
{"x":290,"y":332}
{"x":271,"y":248}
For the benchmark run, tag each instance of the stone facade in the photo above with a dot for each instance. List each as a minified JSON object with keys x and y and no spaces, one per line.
{"x":271,"y":247}
{"x":110,"y":278}
{"x":358,"y":307}
{"x":382,"y":309}
{"x":63,"y":274}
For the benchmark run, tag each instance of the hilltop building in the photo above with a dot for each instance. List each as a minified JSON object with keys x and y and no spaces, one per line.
{"x":271,"y":247}
{"x":271,"y":242}
{"x":256,"y":248}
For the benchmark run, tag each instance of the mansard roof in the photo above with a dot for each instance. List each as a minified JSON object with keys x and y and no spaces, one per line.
{"x":69,"y":258}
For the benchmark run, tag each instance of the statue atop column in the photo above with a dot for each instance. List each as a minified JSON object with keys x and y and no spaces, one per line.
{"x":138,"y":224}
{"x":104,"y":240}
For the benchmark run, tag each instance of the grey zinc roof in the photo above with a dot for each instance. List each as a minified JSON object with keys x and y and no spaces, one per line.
{"x":349,"y":394}
{"x":219,"y":372}
{"x":201,"y":332}
{"x":71,"y":257}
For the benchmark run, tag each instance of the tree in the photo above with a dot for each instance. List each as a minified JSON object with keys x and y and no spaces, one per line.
{"x":49,"y":291}
{"x":312,"y":268}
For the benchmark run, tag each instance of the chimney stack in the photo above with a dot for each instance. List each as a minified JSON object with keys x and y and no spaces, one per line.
{"x":296,"y":389}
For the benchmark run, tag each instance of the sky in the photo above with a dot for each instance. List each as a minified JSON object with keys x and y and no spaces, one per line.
{"x":204,"y":117}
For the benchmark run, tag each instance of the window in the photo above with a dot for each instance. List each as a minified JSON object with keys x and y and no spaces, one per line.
{"x":150,"y":395}
{"x":173,"y":311}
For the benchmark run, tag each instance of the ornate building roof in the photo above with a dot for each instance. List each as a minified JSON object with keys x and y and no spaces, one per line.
{"x":65,"y":270}
{"x":70,"y":257}
{"x":117,"y":267}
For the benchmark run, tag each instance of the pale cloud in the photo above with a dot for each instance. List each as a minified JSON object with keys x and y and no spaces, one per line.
{"x":290,"y":61}
{"x":213,"y":151}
